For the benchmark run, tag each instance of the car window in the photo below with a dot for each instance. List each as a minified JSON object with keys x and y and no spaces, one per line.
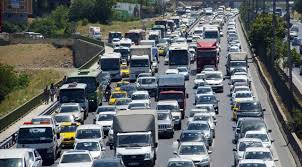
{"x":31,"y":157}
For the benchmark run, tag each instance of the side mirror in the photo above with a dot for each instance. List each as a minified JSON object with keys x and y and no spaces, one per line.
{"x":103,"y":148}
{"x":263,"y":109}
{"x":178,"y":140}
{"x":234,"y":149}
{"x":276,"y":160}
{"x":94,"y":121}
{"x":272,"y":141}
{"x":234,"y":127}
{"x":269,"y":131}
{"x":229,"y":83}
{"x":175,"y":152}
{"x":187,"y":95}
{"x":210,"y":152}
{"x":155,"y":145}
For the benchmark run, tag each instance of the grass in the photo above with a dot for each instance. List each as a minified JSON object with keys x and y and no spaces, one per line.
{"x":38,"y":80}
{"x":115,"y":26}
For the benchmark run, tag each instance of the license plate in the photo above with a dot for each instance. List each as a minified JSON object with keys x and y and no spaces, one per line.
{"x":133,"y":163}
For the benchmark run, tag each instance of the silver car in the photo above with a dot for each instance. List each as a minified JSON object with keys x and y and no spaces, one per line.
{"x":184,"y":71}
{"x":204,"y":127}
{"x":165,"y":124}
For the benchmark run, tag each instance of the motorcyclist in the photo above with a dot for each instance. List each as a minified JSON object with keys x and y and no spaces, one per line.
{"x":108,"y":92}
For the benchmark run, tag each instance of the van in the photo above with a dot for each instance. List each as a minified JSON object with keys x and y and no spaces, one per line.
{"x":21,"y":157}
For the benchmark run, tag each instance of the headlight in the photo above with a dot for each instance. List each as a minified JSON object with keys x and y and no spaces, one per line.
{"x":204,"y":160}
{"x":147,"y":156}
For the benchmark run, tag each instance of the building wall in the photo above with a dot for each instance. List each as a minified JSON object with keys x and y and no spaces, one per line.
{"x":132,"y":9}
{"x":16,"y":10}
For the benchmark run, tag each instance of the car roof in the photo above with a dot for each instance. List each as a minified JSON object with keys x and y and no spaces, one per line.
{"x":140,"y":92}
{"x":43,"y":116}
{"x":246,"y":161}
{"x":64,"y":114}
{"x":107,"y":113}
{"x":255,"y":149}
{"x":14,"y":152}
{"x":191,"y":143}
{"x":256,"y":132}
{"x":75,"y":152}
{"x":69,"y":104}
{"x":249,"y":139}
{"x":177,"y":159}
{"x":202,"y":114}
{"x":198,"y":122}
{"x":167,"y":102}
{"x":89,"y":126}
{"x":87,"y":140}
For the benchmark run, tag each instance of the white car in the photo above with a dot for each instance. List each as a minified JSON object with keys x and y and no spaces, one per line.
{"x":184,"y":71}
{"x":93,"y":146}
{"x":180,"y":162}
{"x":261,"y":153}
{"x":75,"y":158}
{"x":251,"y":162}
{"x":89,"y":131}
{"x":122,"y":103}
{"x":241,"y":146}
{"x":136,"y":105}
{"x":74,"y":109}
{"x":141,"y":96}
{"x":172,"y":71}
{"x":214,"y":79}
{"x":64,"y":117}
{"x":46,"y":118}
{"x":239,"y":88}
{"x":209,"y":107}
{"x":234,"y":48}
{"x":115,"y":42}
{"x":206,"y":117}
{"x":199,"y":80}
{"x":105,"y":119}
{"x":260,"y":134}
{"x":204,"y":90}
{"x":204,"y":127}
{"x":240,"y":96}
{"x":195,"y":151}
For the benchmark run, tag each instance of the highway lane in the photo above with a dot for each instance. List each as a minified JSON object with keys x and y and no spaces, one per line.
{"x":297,"y":79}
{"x":222,"y":147}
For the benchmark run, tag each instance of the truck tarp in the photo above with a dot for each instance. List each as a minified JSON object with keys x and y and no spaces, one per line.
{"x":171,"y":80}
{"x":140,"y":50}
{"x":136,"y":121}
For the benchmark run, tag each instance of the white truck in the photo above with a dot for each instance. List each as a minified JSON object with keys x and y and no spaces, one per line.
{"x":95,"y":32}
{"x":147,"y":42}
{"x":136,"y":137}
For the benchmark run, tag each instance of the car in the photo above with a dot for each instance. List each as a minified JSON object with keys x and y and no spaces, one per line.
{"x":297,"y":41}
{"x":199,"y":80}
{"x":247,"y":109}
{"x":209,"y":108}
{"x":241,"y":96}
{"x":121,"y":83}
{"x":135,"y":105}
{"x":46,"y":118}
{"x":115,"y":95}
{"x":239,"y":88}
{"x":180,"y":162}
{"x":122,"y":103}
{"x":95,"y":148}
{"x":214,"y":79}
{"x":68,"y":132}
{"x":173,"y":106}
{"x":141,"y":96}
{"x":172,"y":71}
{"x":208,"y":99}
{"x":251,"y":162}
{"x":74,"y":109}
{"x":248,"y":124}
{"x":195,"y":151}
{"x":261,"y":153}
{"x":109,"y":108}
{"x":233,"y":48}
{"x":204,"y":127}
{"x":74,"y":158}
{"x":89,"y":131}
{"x":125,"y":72}
{"x":105,"y":119}
{"x":204,"y":90}
{"x":184,"y":71}
{"x":20,"y":157}
{"x":64,"y":118}
{"x":206,"y":117}
{"x":192,"y":54}
{"x":260,"y":134}
{"x":115,"y":162}
{"x":129,"y":89}
{"x":147,"y":83}
{"x":239,"y":78}
{"x":192,"y":136}
{"x":165,"y":123}
{"x":242,"y":144}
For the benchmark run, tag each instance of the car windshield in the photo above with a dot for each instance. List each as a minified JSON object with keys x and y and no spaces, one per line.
{"x":11,"y":162}
{"x":118,"y":95}
{"x":66,"y":129}
{"x":123,"y":102}
{"x":162,"y":116}
{"x":249,"y":106}
{"x":246,"y":144}
{"x":133,"y":140}
{"x":252,"y":165}
{"x":108,"y":64}
{"x":167,"y":107}
{"x":241,"y":89}
{"x":198,"y":126}
{"x":88,"y":134}
{"x":213,"y":76}
{"x":63,"y":118}
{"x":182,"y":69}
{"x":105,"y":117}
{"x":201,"y":118}
{"x":139,"y":97}
{"x":134,"y":105}
{"x":147,"y":80}
{"x":35,"y":135}
{"x":75,"y":158}
{"x":238,"y":64}
{"x":191,"y":149}
{"x":89,"y":146}
{"x":180,"y":164}
{"x":262,"y":137}
{"x":206,"y":99}
{"x":199,"y":76}
{"x":139,"y":63}
{"x":190,"y":137}
{"x":258,"y":155}
{"x":105,"y":109}
{"x":243,"y":95}
{"x":67,"y":109}
{"x":204,"y":90}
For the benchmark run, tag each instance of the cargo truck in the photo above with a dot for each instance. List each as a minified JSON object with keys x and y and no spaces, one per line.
{"x":237,"y":60}
{"x":135,"y":136}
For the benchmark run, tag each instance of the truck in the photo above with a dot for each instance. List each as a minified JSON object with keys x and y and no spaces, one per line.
{"x":172,"y":87}
{"x":147,"y":42}
{"x":111,"y":62}
{"x":161,"y":28}
{"x":207,"y":54}
{"x":42,"y":137}
{"x":135,"y":136}
{"x":237,"y":60}
{"x":112,"y":35}
{"x":211,"y":32}
{"x":154,"y":35}
{"x":95,"y":32}
{"x":136,"y":35}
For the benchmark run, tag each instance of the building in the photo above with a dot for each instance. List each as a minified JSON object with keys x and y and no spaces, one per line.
{"x":16,"y":11}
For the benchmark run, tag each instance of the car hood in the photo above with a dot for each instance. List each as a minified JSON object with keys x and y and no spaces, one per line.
{"x":104,"y":123}
{"x":270,"y":163}
{"x":95,"y":154}
{"x":214,"y":82}
{"x":82,"y":164}
{"x":163,"y":122}
{"x":194,"y":157}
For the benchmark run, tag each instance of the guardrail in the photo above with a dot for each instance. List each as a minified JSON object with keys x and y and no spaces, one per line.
{"x":290,"y":137}
{"x":20,"y":112}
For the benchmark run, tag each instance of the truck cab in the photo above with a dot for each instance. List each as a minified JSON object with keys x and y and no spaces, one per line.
{"x":139,"y":64}
{"x":236,"y":61}
{"x":111,"y":62}
{"x":42,"y":137}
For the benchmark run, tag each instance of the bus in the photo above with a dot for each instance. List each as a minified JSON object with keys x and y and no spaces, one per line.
{"x":92,"y":78}
{"x":112,"y":35}
{"x":111,"y":62}
{"x":179,"y":55}
{"x":136,"y":35}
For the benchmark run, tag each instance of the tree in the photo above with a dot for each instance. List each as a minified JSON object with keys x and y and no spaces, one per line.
{"x":60,"y":16}
{"x":81,"y":9}
{"x":45,"y":26}
{"x":298,"y":6}
{"x":103,"y":10}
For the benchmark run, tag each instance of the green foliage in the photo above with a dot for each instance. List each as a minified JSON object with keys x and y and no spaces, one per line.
{"x":13,"y":27}
{"x":298,"y":6}
{"x":45,"y":26}
{"x":85,"y":22}
{"x":10,"y":80}
{"x":296,"y":57}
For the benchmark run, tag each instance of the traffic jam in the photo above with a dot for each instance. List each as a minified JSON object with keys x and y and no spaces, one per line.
{"x":120,"y":113}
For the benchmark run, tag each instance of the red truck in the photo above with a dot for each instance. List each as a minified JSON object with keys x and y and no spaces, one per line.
{"x":172,"y":87}
{"x":207,"y":54}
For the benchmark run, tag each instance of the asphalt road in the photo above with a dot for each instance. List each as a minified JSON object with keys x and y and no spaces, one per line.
{"x":297,"y":78}
{"x":222,"y":155}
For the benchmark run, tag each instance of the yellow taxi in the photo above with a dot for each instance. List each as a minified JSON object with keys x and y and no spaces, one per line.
{"x":125,"y":72}
{"x":68,"y":132}
{"x":121,"y":83}
{"x":116,"y":95}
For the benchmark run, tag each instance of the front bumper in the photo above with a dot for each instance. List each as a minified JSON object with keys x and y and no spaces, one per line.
{"x":68,"y":142}
{"x":136,"y":160}
{"x":202,"y":164}
{"x":217,"y":88}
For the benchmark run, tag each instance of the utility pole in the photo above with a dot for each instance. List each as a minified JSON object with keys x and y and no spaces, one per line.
{"x":274,"y":34}
{"x":290,"y":64}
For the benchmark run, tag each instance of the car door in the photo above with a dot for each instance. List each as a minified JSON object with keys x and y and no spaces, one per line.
{"x":38,"y":159}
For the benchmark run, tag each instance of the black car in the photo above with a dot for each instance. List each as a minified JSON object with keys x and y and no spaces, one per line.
{"x":108,"y":163}
{"x":248,"y":109}
{"x":208,"y":99}
{"x":192,"y":136}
